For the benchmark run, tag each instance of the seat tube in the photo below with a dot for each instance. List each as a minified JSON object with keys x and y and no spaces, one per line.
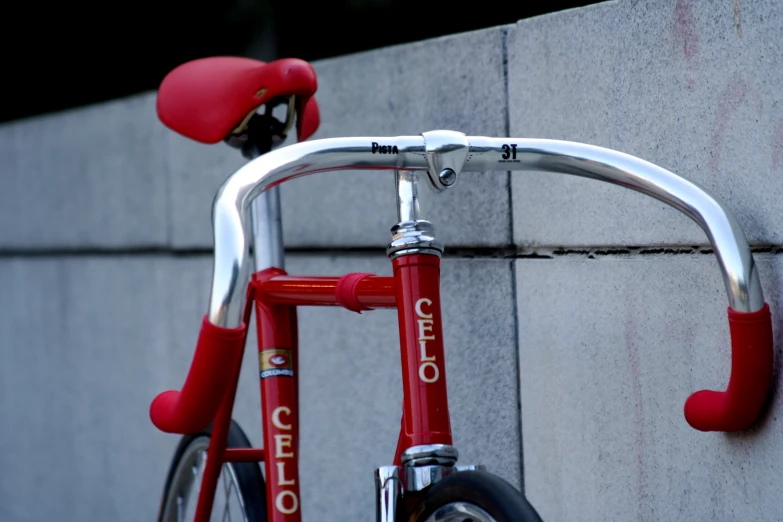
{"x":278,"y":366}
{"x":415,"y":253}
{"x":267,"y":224}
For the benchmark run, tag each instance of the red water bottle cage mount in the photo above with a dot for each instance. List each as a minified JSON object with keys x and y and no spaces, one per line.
{"x":443,"y":155}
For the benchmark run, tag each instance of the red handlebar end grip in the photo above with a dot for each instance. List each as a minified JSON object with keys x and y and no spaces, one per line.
{"x":751,"y":377}
{"x":216,"y":359}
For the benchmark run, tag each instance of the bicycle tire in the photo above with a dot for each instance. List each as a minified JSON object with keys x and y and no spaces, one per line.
{"x":474,"y":496}
{"x":245,"y":476}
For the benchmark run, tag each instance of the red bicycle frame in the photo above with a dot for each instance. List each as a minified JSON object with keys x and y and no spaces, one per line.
{"x":425,"y":434}
{"x":414,"y":290}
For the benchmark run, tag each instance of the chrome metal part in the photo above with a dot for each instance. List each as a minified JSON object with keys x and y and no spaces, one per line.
{"x":447,"y":177}
{"x":407,"y":182}
{"x":413,"y":237}
{"x":267,"y":225}
{"x":723,"y":231}
{"x":427,"y":454}
{"x":393,"y":481}
{"x":439,"y":150}
{"x":289,"y":115}
{"x":230,"y":211}
{"x":446,"y":151}
{"x":388,"y":493}
{"x":417,"y":477}
{"x":460,"y":512}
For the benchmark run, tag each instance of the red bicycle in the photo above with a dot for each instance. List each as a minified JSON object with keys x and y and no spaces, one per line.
{"x":216,"y":99}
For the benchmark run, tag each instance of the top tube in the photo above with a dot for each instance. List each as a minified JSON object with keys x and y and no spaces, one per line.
{"x":231,"y":217}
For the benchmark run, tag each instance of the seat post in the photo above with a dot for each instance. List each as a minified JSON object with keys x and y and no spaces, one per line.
{"x":267,"y":226}
{"x":265,"y":211}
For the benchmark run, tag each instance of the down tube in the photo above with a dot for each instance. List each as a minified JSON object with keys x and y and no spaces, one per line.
{"x":425,"y":401}
{"x":277,"y":354}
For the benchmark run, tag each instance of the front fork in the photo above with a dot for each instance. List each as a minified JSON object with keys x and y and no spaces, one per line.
{"x":424,"y":451}
{"x":392,"y":483}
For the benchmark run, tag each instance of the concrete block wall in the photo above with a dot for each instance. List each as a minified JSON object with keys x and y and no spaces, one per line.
{"x":613,"y":339}
{"x":578,"y":316}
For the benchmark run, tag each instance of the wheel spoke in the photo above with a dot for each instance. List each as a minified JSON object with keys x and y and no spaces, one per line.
{"x":226,"y":482}
{"x":183,"y":490}
{"x":180,"y":510}
{"x":226,"y":515}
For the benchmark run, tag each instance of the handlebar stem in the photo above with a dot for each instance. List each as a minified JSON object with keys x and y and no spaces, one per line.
{"x":412,"y":234}
{"x":408,"y":206}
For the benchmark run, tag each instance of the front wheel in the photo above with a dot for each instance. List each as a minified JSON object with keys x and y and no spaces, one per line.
{"x":474,"y":496}
{"x":240,"y":493}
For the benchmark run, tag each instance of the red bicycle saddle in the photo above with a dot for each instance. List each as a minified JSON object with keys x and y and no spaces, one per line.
{"x":206,"y":99}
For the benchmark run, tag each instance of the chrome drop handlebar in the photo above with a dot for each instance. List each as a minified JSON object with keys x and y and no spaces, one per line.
{"x":450,"y":152}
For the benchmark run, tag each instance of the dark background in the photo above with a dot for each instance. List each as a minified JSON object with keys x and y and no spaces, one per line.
{"x":58,"y":55}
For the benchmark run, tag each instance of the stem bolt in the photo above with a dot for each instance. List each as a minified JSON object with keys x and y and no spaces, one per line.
{"x":448,"y":177}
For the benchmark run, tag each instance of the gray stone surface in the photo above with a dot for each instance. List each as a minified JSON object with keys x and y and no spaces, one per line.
{"x":454,"y":82}
{"x":84,"y":362}
{"x":678,"y":83}
{"x":609,"y":351}
{"x":92,"y":341}
{"x":609,"y":348}
{"x":93,"y":177}
{"x":112,"y":176}
{"x":87,"y":352}
{"x":196,"y":172}
{"x":351,"y":394}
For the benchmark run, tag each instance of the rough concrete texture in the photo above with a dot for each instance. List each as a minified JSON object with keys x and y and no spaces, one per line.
{"x":76,"y":381}
{"x":694,"y":87}
{"x":85,"y":178}
{"x":196,"y":172}
{"x":395,"y":91}
{"x":455,"y":83}
{"x":609,"y":350}
{"x":79,"y":373}
{"x":351,"y":394}
{"x":75,"y":385}
{"x":117,"y":165}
